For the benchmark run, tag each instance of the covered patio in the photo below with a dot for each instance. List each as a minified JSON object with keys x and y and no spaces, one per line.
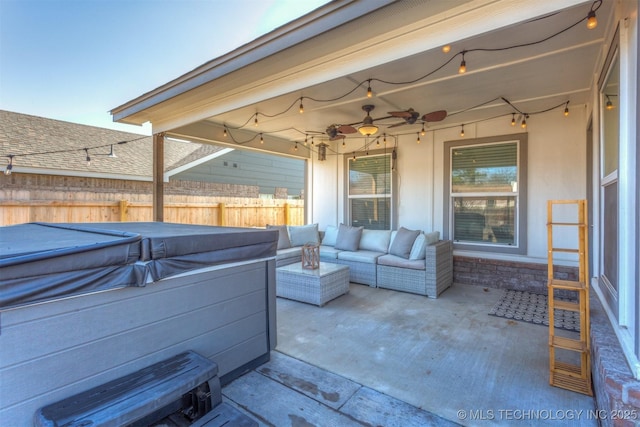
{"x":380,"y":357}
{"x":480,"y":112}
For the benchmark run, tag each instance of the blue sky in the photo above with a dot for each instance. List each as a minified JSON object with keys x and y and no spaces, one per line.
{"x":75,"y":60}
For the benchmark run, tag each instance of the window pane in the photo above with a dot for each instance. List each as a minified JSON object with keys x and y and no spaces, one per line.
{"x":485,"y":220}
{"x":485,"y":168}
{"x":370,"y":175}
{"x":371,"y":213}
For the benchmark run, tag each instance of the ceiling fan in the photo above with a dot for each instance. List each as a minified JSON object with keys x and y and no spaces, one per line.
{"x":410,"y":116}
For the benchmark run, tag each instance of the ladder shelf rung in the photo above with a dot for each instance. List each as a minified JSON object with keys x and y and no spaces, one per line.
{"x":571,"y":224}
{"x":565,"y":250}
{"x":566,"y":284}
{"x":566,"y":305}
{"x":568,"y":344}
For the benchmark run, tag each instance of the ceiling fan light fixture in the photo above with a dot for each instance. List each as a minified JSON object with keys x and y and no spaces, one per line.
{"x":368,"y":129}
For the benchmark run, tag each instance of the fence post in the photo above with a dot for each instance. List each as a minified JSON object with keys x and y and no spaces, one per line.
{"x":223,"y":214}
{"x":123,"y":210}
{"x":287,"y":213}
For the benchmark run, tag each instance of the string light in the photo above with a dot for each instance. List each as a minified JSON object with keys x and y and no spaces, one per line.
{"x":513,"y":119}
{"x":295,"y":148}
{"x":384,"y":138}
{"x":523,"y":125}
{"x":566,"y":109}
{"x":343,"y":143}
{"x":224,"y":134}
{"x":312,"y":140}
{"x":446,"y":48}
{"x":88,"y":159}
{"x":423,"y":132}
{"x":463,"y":64}
{"x":261,"y":139}
{"x":418,"y":140}
{"x":609,"y":106}
{"x":592,"y":21}
{"x":9,"y":168}
{"x":369,"y":91}
{"x":462,"y":130}
{"x":255,"y":121}
{"x":301,"y":109}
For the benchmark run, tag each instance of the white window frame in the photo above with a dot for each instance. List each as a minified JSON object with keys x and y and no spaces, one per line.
{"x":520,"y":245}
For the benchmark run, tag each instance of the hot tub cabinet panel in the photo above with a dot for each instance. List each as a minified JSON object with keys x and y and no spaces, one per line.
{"x":55,"y":349}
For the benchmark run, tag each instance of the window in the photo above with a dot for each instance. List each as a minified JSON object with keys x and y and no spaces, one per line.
{"x":369,"y":195}
{"x":486,"y":193}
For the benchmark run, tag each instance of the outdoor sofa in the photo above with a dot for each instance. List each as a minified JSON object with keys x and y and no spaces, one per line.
{"x":404,"y":260}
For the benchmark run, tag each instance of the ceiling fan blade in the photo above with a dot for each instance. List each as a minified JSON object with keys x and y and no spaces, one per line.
{"x":347,"y":129}
{"x":403,"y":114}
{"x":397,"y":124}
{"x":435,"y":116}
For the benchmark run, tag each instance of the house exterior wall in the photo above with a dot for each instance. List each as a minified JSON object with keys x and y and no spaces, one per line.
{"x":553,"y":138}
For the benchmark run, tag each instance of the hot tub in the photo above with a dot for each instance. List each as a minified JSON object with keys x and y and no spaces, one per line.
{"x":82,"y":304}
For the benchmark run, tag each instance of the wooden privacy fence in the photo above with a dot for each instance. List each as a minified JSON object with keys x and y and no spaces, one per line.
{"x":237,"y":213}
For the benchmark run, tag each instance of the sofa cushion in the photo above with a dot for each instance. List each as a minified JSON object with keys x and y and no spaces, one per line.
{"x":367,"y":257}
{"x":348,"y":237}
{"x":300,"y":235}
{"x":420,"y":245}
{"x":289,"y":253}
{"x":330,"y":235}
{"x":375,"y":240}
{"x":328,"y":252}
{"x":396,"y":261}
{"x":283,"y":235}
{"x":403,"y":242}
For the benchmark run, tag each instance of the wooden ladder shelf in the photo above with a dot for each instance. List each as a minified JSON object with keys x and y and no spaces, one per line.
{"x":574,"y":374}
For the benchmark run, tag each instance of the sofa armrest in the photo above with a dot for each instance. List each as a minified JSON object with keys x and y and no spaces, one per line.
{"x":439,"y":267}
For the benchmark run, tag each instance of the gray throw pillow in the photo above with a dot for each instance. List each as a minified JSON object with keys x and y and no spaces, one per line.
{"x":330,"y":235}
{"x":403,"y":242}
{"x":300,"y":235}
{"x":348,"y":238}
{"x":283,"y":236}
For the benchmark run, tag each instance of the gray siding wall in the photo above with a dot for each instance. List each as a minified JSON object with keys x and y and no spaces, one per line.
{"x":246,"y":168}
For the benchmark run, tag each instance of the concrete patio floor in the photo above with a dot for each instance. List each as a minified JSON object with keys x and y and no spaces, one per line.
{"x":379,"y":350}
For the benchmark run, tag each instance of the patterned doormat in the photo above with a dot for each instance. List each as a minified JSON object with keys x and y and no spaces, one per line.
{"x":532,"y":308}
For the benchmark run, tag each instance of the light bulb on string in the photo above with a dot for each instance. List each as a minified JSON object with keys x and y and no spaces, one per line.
{"x":523,"y":125}
{"x":463,"y":65}
{"x":513,"y":119}
{"x":378,"y":141}
{"x":384,"y":138}
{"x":446,"y":48}
{"x":592,"y":21}
{"x":418,"y":140}
{"x":343,"y":143}
{"x":461,"y":130}
{"x":224,"y":133}
{"x":9,"y":168}
{"x":255,"y":121}
{"x":369,"y":91}
{"x":566,"y":109}
{"x":261,"y":139}
{"x":422,"y":132}
{"x":88,"y":158}
{"x":609,"y":105}
{"x":295,"y":147}
{"x":312,"y":140}
{"x":301,"y":106}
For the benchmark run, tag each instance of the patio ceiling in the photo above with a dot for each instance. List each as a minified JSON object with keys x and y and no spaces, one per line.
{"x":326,"y":58}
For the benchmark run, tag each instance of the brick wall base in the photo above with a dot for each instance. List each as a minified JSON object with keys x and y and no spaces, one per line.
{"x":520,"y":276}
